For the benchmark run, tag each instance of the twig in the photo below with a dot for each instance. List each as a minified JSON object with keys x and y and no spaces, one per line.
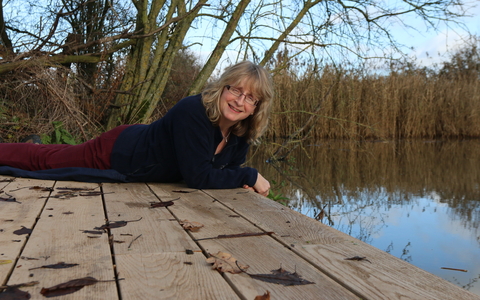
{"x":245,"y":234}
{"x":133,"y":241}
{"x":453,"y":269}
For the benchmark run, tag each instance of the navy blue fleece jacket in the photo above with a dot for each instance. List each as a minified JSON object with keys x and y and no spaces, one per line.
{"x":181,"y":145}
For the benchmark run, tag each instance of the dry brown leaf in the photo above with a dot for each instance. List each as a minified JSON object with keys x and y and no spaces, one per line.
{"x":13,"y":293}
{"x":225,"y":262}
{"x":281,"y":276}
{"x":68,"y":287}
{"x":192,"y":226}
{"x":265,"y":296}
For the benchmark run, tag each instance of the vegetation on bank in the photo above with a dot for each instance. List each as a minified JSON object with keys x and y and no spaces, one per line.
{"x":311,"y":100}
{"x":408,"y":102}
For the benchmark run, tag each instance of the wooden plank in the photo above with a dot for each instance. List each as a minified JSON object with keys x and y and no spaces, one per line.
{"x":16,"y":215}
{"x":262,"y":253}
{"x":153,"y":266}
{"x":386,"y":277}
{"x":172,"y":275}
{"x":59,"y":236}
{"x":157,"y":230}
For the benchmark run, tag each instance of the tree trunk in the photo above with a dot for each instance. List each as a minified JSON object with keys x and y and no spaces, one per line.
{"x":147,"y":71}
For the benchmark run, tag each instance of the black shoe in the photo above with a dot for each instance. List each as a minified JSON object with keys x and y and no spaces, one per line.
{"x":32,"y":139}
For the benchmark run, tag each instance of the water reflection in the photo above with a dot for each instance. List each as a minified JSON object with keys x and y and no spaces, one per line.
{"x":417,"y":200}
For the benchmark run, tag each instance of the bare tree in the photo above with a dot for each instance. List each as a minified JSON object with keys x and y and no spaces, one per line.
{"x":146,"y":36}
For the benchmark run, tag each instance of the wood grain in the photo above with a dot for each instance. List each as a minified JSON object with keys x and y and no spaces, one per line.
{"x":262,"y":253}
{"x":15,"y":216}
{"x":171,"y":276}
{"x":58,"y":237}
{"x":158,"y":230}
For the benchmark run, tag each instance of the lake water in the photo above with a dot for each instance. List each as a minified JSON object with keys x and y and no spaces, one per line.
{"x":417,"y":200}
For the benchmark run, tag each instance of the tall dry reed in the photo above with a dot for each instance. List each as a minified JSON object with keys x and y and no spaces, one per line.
{"x":396,"y":106}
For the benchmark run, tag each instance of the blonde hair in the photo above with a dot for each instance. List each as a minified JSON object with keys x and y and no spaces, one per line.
{"x":259,"y":82}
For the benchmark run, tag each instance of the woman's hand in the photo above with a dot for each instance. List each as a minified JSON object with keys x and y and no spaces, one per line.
{"x":262,"y":186}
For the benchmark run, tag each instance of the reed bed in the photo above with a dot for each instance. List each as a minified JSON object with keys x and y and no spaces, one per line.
{"x":395,"y":106}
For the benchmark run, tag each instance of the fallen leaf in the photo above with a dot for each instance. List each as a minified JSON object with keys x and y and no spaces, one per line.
{"x":228,"y":236}
{"x":73,"y":189}
{"x":60,"y":265}
{"x":358,"y":258}
{"x":192,"y":226}
{"x":68,"y":287}
{"x":23,"y":230}
{"x":225,"y":262}
{"x":41,"y":188}
{"x":10,"y":199}
{"x":115,"y":224}
{"x":92,"y":194}
{"x":265,"y":296}
{"x":161,"y":204}
{"x":13,"y":293}
{"x":93,"y":231}
{"x":5,"y":261}
{"x":281,"y":276}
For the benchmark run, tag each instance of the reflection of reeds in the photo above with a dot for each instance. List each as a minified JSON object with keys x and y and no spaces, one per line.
{"x":336,"y":171}
{"x":400,"y":105}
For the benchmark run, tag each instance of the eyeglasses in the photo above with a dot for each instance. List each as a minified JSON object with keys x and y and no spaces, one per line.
{"x":237,"y":93}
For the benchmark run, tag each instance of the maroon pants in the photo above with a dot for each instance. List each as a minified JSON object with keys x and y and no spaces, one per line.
{"x":32,"y":157}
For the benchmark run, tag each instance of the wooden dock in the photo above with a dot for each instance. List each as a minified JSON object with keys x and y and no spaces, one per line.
{"x":136,"y":248}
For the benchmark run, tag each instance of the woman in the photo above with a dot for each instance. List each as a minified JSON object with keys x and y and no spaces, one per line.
{"x":203,"y":140}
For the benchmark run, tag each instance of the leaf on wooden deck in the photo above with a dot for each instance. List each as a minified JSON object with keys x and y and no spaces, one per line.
{"x":60,"y":265}
{"x":115,"y":224}
{"x":13,"y":293}
{"x":94,"y":193}
{"x":358,"y":258}
{"x":5,"y":261}
{"x":68,"y":287}
{"x":265,"y":296}
{"x":283,"y":277}
{"x":23,"y":230}
{"x":9,"y":199}
{"x":236,"y":235}
{"x":225,"y":262}
{"x":41,"y":188}
{"x":74,"y":189}
{"x":183,"y":191}
{"x":100,"y":232}
{"x":192,"y":226}
{"x":161,"y":204}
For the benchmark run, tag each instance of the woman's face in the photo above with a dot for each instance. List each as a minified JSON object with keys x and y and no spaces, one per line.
{"x":234,"y":108}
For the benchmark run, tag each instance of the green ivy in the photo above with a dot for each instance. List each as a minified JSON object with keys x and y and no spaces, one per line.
{"x":59,"y":136}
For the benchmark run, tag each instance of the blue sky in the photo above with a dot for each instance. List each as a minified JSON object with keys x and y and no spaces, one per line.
{"x":433,"y":46}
